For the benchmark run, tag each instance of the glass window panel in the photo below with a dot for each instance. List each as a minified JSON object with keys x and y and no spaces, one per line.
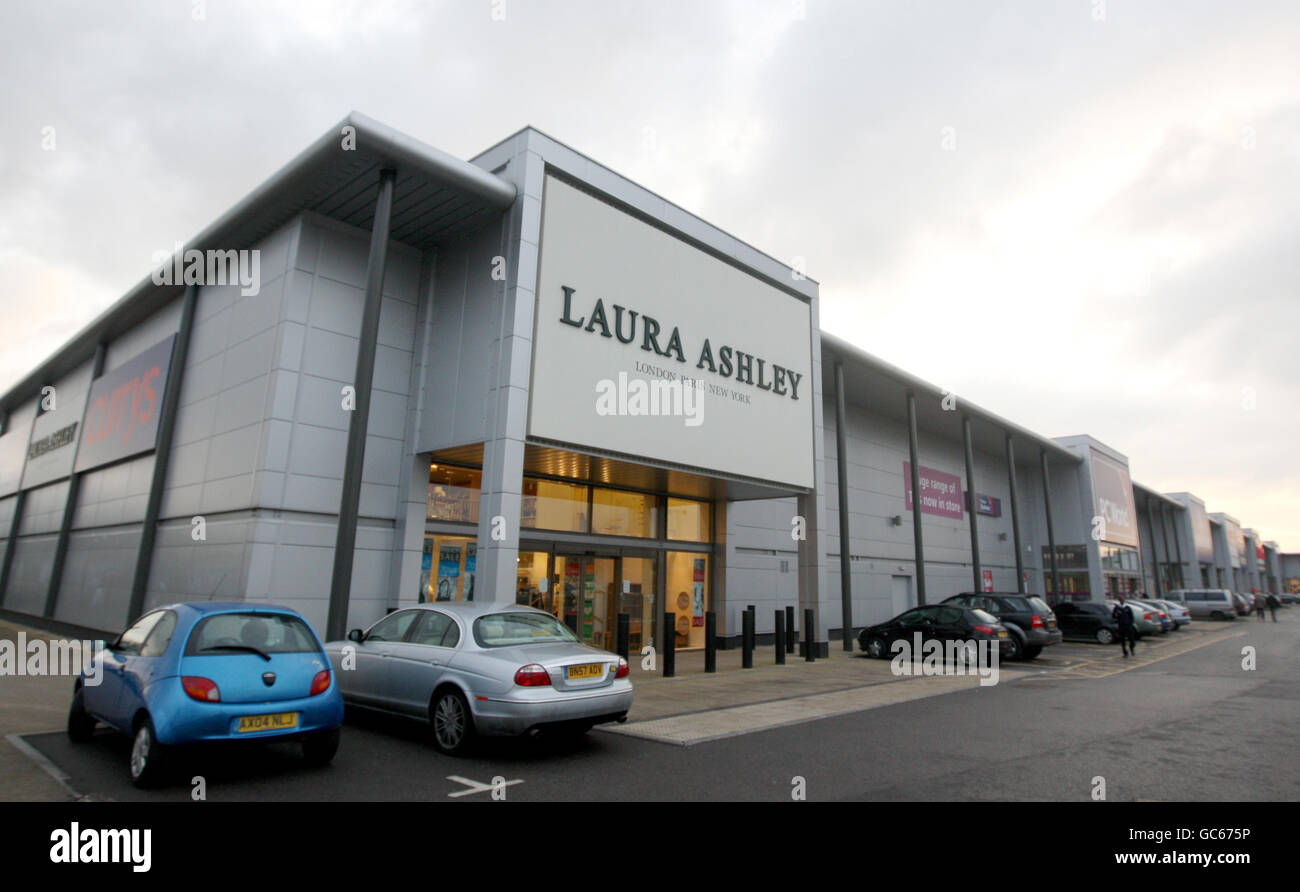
{"x":618,"y":513}
{"x":448,"y":568}
{"x":688,"y":595}
{"x":551,"y":505}
{"x":689,"y":521}
{"x":454,"y":493}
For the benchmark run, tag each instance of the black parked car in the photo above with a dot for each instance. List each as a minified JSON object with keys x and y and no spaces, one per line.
{"x":945,"y":622}
{"x":1086,"y":619}
{"x":1027,"y":617}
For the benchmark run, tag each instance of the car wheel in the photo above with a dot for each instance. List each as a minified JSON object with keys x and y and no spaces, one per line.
{"x":453,"y":725}
{"x":1032,"y":652}
{"x":876,"y":648}
{"x":318,"y":749}
{"x":1105,"y":636}
{"x":1216,"y":615}
{"x":147,"y":757}
{"x":1016,"y":650}
{"x":81,"y":725}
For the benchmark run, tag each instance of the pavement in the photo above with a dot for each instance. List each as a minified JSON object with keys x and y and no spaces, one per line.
{"x":691,"y":708}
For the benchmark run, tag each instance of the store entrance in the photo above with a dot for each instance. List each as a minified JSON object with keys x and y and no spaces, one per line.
{"x":586,"y":592}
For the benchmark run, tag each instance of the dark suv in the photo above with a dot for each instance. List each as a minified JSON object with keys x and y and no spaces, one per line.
{"x":1087,"y":619}
{"x":1027,"y":617}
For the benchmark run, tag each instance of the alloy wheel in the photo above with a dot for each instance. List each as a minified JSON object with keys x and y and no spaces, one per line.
{"x":449,"y":721}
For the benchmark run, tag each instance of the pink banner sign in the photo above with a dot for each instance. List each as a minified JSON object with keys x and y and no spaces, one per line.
{"x":940,"y":493}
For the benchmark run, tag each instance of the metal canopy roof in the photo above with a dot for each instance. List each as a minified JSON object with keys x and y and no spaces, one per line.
{"x":436,"y":197}
{"x":874,"y":384}
{"x":1151,"y":495}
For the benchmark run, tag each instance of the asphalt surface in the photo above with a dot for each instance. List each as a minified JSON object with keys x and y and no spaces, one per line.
{"x":1195,"y":726}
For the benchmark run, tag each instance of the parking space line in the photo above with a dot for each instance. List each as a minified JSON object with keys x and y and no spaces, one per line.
{"x":62,"y":779}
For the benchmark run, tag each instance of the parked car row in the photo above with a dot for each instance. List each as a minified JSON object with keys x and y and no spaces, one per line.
{"x":236,"y":672}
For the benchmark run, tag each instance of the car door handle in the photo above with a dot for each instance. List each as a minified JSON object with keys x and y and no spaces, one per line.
{"x":435,"y":662}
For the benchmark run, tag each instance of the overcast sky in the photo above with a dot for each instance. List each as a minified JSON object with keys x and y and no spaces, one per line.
{"x":1081,"y":215}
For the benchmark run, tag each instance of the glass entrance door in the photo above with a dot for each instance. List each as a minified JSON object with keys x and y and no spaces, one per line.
{"x":586,"y":597}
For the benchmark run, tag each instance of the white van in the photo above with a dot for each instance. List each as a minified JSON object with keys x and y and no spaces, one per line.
{"x":1205,"y":603}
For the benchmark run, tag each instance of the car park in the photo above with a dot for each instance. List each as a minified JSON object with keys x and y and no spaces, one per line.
{"x":1028,"y":619}
{"x":1086,"y":619}
{"x":206,"y":673}
{"x":938,"y":622}
{"x":480,"y":669}
{"x":1206,"y":603}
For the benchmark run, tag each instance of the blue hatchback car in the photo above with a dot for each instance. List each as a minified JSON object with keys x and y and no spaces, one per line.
{"x":205,"y":672}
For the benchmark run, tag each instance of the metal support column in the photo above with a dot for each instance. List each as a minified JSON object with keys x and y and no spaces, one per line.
{"x":970,"y":488}
{"x":349,"y":502}
{"x":842,"y":485}
{"x":1155,"y":556}
{"x":1164,"y":534}
{"x":1178,"y":550}
{"x":1015,"y":516}
{"x":917,"y":545}
{"x":1051,"y":536}
{"x":162,"y":453}
{"x":70,"y":502}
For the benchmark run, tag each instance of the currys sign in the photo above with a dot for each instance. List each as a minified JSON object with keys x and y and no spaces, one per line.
{"x":124,"y":407}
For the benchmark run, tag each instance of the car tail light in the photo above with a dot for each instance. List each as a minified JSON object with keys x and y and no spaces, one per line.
{"x":1037,"y":622}
{"x":622,"y":668}
{"x":200,"y":688}
{"x":321,"y":683}
{"x":1146,"y":615}
{"x":533,"y":675}
{"x":987,"y":630}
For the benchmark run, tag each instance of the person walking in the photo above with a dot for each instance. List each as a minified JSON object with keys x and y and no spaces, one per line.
{"x":1259,"y":606}
{"x":1273,"y":603}
{"x":1123,"y":616}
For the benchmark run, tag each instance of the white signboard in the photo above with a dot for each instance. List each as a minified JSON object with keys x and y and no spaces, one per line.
{"x":649,"y":347}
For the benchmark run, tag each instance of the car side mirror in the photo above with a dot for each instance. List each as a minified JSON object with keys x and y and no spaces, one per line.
{"x":356,"y":635}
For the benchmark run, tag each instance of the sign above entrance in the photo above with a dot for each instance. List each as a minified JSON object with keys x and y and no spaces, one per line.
{"x":647,"y":346}
{"x":1112,"y":493}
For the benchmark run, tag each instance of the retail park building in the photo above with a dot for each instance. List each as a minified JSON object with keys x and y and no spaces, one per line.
{"x":526,"y":378}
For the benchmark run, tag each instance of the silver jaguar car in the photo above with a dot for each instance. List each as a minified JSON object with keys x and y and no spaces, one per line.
{"x":490,"y":669}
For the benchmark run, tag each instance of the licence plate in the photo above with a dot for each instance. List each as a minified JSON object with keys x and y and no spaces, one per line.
{"x":586,"y":670}
{"x":1051,"y":624}
{"x":1002,"y":634}
{"x":276,"y":722}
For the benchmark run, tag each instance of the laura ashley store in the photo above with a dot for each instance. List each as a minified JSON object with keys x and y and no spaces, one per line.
{"x":389,"y":375}
{"x":562,"y":384}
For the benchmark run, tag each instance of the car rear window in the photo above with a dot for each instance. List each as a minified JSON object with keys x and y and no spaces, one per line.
{"x":269,"y":633}
{"x":512,"y":629}
{"x":983,"y":615}
{"x":1038,"y":604}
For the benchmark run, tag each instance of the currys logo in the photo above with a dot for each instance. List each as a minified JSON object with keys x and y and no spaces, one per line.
{"x":123,"y":410}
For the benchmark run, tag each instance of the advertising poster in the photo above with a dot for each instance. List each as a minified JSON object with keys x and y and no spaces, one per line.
{"x":1201,"y":531}
{"x":1112,"y":494}
{"x":941,"y":493}
{"x":124,"y":407}
{"x":448,"y":572}
{"x":697,"y":607}
{"x":471,"y":564}
{"x":426,"y":570}
{"x":988,"y":580}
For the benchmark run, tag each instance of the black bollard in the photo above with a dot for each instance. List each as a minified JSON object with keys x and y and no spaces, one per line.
{"x":670,"y":645}
{"x":624,"y":634}
{"x":778,"y":638}
{"x":710,"y":642}
{"x":747,"y":640}
{"x":809,"y":634}
{"x":789,"y":630}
